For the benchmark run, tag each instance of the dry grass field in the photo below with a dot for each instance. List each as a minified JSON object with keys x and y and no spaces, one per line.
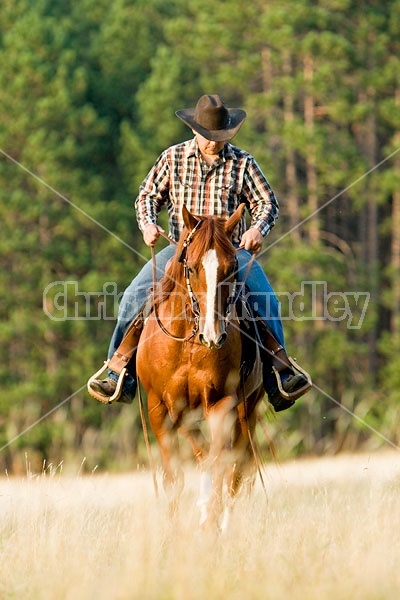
{"x":328,"y":528}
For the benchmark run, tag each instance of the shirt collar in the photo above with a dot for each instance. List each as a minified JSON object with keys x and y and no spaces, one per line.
{"x":226,"y":152}
{"x":193,"y":149}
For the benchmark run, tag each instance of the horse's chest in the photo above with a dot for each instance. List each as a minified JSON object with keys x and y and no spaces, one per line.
{"x":205,"y":376}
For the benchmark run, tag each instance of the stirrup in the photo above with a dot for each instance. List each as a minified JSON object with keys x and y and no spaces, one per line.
{"x":118,"y":390}
{"x":297,"y":393}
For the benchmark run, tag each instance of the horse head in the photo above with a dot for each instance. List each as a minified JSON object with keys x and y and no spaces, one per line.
{"x":210,"y":265}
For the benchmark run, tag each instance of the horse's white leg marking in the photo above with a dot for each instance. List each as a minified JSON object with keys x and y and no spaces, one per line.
{"x":210,"y":264}
{"x":204,"y":495}
{"x":226,"y":517}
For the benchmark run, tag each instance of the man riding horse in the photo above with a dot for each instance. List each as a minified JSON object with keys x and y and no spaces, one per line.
{"x":209,"y":176}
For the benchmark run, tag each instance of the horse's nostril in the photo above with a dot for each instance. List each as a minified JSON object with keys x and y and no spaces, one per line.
{"x":221,"y":339}
{"x":206,"y":342}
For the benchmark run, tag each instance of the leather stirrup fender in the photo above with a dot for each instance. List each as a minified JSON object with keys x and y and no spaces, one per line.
{"x":127,"y":348}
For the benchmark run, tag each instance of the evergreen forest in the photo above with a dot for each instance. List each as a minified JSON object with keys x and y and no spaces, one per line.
{"x":88,"y":93}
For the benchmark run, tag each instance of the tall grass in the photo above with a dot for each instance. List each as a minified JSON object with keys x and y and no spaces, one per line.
{"x":328,"y":528}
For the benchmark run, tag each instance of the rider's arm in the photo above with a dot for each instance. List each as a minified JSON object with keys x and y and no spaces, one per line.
{"x":261,"y":201}
{"x":153,"y":194}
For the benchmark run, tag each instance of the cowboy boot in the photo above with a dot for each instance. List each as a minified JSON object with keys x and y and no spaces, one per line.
{"x":282,"y":384}
{"x":121,"y":370}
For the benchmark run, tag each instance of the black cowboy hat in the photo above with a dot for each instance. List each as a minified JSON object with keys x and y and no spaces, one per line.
{"x":212,"y":119}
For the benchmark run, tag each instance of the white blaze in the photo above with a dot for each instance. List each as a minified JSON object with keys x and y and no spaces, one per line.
{"x":210,"y":264}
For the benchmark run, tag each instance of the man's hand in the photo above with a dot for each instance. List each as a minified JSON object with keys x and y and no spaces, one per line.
{"x":151,"y":233}
{"x":251,"y":240}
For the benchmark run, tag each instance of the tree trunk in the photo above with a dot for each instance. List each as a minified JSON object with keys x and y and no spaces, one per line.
{"x":366,"y":134}
{"x":266,"y":69}
{"x":311,"y":169}
{"x":292,"y":200}
{"x":395,"y":260}
{"x":395,"y":246}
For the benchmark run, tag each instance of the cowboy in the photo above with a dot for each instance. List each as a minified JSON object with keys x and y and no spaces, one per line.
{"x":210,"y":176}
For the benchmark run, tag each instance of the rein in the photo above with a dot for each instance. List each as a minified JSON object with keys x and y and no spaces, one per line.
{"x":195,"y":308}
{"x":195,"y":304}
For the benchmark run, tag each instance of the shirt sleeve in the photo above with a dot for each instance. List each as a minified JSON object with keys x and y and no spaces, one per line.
{"x":262,"y":203}
{"x":153,"y":193}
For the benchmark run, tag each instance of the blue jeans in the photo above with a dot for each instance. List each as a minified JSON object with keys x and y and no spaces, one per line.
{"x":261,"y":297}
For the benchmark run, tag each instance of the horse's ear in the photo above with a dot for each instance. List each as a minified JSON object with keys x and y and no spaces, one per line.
{"x":189,"y":219}
{"x":234,"y":219}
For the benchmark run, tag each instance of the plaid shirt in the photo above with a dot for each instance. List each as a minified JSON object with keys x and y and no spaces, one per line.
{"x":180,"y":176}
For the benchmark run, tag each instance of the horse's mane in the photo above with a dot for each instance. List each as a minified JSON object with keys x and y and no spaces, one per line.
{"x":210,"y":234}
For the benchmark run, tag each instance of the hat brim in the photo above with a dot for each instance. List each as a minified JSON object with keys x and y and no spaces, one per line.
{"x":237,"y":116}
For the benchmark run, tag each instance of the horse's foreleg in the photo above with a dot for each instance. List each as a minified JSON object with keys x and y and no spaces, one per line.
{"x":167,"y":438}
{"x":173,"y":474}
{"x":221,"y":418}
{"x":192,"y":432}
{"x":243,"y":468}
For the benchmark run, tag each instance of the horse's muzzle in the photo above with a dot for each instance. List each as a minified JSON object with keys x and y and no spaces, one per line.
{"x":211,"y":344}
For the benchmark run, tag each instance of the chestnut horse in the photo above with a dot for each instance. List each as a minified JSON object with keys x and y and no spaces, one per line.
{"x":188,"y":361}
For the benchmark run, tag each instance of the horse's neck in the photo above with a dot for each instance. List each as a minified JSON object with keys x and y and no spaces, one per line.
{"x":178,"y":306}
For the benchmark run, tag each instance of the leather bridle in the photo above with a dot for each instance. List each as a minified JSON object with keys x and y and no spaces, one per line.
{"x":193,"y":300}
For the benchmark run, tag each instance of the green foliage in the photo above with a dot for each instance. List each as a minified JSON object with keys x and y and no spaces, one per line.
{"x":87,"y":95}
